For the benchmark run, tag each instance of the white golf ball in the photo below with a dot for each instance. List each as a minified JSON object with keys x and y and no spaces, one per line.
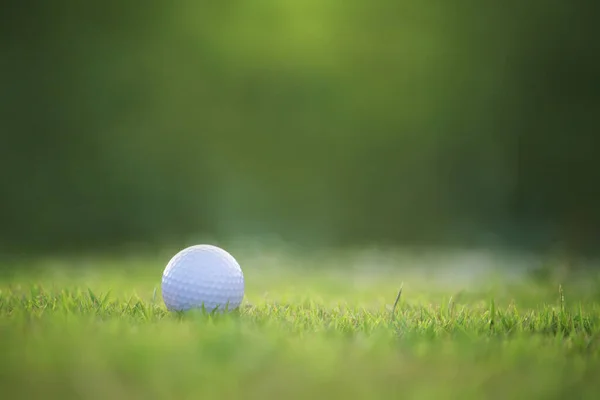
{"x":203,"y":275}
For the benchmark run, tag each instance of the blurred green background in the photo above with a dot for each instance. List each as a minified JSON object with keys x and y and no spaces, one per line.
{"x":323,"y":123}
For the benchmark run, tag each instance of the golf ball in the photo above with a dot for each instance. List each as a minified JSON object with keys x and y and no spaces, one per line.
{"x":203,"y":275}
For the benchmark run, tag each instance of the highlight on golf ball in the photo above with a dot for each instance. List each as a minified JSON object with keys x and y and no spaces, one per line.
{"x":203,"y":276}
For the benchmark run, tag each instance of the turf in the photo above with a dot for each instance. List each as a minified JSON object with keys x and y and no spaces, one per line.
{"x":97,"y":329}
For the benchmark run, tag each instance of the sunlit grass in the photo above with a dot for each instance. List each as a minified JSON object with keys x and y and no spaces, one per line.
{"x":100,"y":330}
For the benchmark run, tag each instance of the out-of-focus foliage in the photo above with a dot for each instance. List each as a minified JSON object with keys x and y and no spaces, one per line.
{"x":331,"y":122}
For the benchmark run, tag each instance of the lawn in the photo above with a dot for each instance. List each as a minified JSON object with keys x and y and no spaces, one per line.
{"x":323,"y":326}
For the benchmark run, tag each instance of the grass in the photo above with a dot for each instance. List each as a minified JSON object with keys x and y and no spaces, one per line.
{"x":97,"y":329}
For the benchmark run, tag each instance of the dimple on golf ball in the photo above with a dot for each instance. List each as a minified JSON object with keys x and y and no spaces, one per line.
{"x":203,"y":276}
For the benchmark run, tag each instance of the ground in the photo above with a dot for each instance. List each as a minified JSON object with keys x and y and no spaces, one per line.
{"x":310,"y":327}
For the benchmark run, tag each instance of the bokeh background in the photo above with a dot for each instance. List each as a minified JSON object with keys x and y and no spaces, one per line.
{"x":336,"y":123}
